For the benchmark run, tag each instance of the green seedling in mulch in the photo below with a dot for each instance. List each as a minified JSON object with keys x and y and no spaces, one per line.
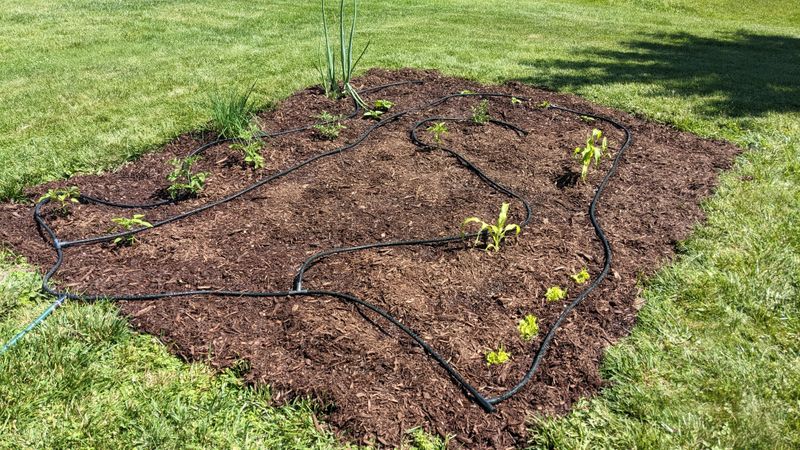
{"x":420,"y":440}
{"x":528,"y":327}
{"x":328,"y":74}
{"x":374,"y":114}
{"x":515,"y":101}
{"x":63,"y":196}
{"x":129,"y":224}
{"x":544,"y":104}
{"x":499,"y":356}
{"x":438,"y":129}
{"x":480,"y":112}
{"x":555,"y":293}
{"x":467,"y":92}
{"x":185,"y":183}
{"x":587,"y":119}
{"x":383,"y":105}
{"x":330,"y":127}
{"x":231,"y":112}
{"x":251,"y":152}
{"x":582,"y":276}
{"x":496,"y":232}
{"x":591,"y":152}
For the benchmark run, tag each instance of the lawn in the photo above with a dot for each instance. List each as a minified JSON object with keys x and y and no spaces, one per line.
{"x":87,"y":85}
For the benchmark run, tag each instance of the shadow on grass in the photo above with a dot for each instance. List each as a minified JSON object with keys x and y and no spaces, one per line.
{"x":737,"y":74}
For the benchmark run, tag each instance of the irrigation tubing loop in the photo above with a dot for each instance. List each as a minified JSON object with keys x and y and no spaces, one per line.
{"x":298,"y":290}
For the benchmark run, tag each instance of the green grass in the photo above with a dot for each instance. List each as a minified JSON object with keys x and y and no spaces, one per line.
{"x":88,"y":84}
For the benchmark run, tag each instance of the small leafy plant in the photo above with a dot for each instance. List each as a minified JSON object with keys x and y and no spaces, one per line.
{"x":480,"y":112}
{"x":467,"y":92}
{"x":63,"y":196}
{"x":582,"y":276}
{"x":591,"y":152}
{"x":231,"y":112}
{"x":528,"y":327}
{"x":373,"y":114}
{"x":330,"y":127}
{"x":555,"y":293}
{"x":587,"y":119}
{"x":129,"y":224}
{"x":251,"y":152}
{"x":498,"y":356}
{"x":543,"y":104}
{"x":515,"y":101}
{"x":496,"y":232}
{"x":383,"y":105}
{"x":438,"y":129}
{"x":184,"y":181}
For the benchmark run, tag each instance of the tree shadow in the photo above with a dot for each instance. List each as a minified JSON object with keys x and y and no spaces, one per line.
{"x":737,"y":74}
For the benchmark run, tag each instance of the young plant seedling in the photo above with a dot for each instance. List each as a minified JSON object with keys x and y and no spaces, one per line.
{"x":374,"y":114}
{"x":185,"y":182}
{"x":137,"y":221}
{"x":330,"y":127}
{"x":544,"y":104}
{"x":528,"y":327}
{"x":499,"y":356}
{"x":63,"y":196}
{"x":383,"y":105}
{"x":587,"y":119}
{"x":480,"y":112}
{"x":555,"y":293}
{"x":438,"y":129}
{"x":251,"y":152}
{"x":515,"y":101}
{"x":582,"y":276}
{"x":591,"y":152}
{"x":467,"y":92}
{"x":496,"y":232}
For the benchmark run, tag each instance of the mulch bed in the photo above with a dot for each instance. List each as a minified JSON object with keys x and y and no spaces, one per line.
{"x":375,"y":382}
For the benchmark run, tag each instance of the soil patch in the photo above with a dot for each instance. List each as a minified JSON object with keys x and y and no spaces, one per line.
{"x":464,"y":301}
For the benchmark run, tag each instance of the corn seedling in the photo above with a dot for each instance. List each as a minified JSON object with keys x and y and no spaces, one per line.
{"x":591,"y":152}
{"x":328,"y":75}
{"x":498,"y":356}
{"x":251,"y":152}
{"x":496,"y":232}
{"x":480,"y":112}
{"x":438,"y":129}
{"x":515,"y":101}
{"x":582,"y":276}
{"x":231,"y":112}
{"x":330,"y":127}
{"x":555,"y":293}
{"x":528,"y":327}
{"x":184,"y":181}
{"x":63,"y":196}
{"x":125,"y":224}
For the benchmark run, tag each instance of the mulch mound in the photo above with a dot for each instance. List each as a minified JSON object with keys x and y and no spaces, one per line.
{"x":375,"y":382}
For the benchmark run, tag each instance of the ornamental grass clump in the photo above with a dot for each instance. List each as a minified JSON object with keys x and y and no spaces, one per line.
{"x":329,"y":76}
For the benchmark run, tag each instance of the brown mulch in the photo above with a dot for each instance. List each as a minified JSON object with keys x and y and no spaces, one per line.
{"x":464,"y":301}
